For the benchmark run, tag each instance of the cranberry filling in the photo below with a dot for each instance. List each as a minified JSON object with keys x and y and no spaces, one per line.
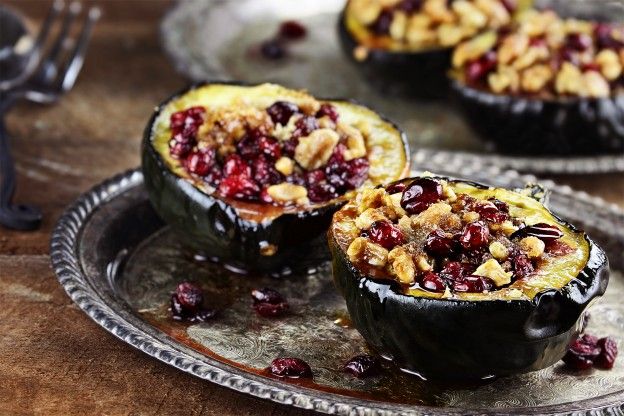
{"x":362,"y":366}
{"x":432,"y":282}
{"x":385,"y":234}
{"x":251,"y":168}
{"x":477,"y":70}
{"x":420,"y":194}
{"x":438,"y":243}
{"x":474,"y":236}
{"x":290,"y":368}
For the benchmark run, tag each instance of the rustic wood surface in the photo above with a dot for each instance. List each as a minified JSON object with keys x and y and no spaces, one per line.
{"x":55,"y":360}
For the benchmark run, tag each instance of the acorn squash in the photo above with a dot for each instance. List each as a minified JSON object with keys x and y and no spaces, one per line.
{"x":455,"y":280}
{"x":249,"y":175}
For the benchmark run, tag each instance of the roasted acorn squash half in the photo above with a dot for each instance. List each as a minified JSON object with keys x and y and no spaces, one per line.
{"x":404,"y":47}
{"x":248,"y":174}
{"x":550,"y":86}
{"x":454,"y":280}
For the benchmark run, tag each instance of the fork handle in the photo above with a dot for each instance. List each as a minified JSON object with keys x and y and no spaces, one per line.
{"x":15,"y":216}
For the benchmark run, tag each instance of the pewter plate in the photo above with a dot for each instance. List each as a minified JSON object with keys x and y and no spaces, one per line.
{"x":212,"y":40}
{"x":119,"y":263}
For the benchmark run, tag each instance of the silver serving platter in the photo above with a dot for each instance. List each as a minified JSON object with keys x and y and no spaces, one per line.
{"x":212,"y":39}
{"x":119,"y":263}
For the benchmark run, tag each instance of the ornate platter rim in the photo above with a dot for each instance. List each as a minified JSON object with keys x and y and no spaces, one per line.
{"x":66,"y":264}
{"x":185,"y":62}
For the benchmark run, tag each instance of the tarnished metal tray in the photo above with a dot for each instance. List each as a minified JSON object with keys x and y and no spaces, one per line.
{"x":119,"y":263}
{"x":212,"y":40}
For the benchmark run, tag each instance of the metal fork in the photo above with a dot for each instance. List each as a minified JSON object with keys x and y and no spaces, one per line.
{"x":53,"y":76}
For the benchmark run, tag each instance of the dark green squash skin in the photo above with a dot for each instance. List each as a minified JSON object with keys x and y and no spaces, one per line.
{"x":213,"y":228}
{"x":520,"y":125}
{"x":412,"y":74}
{"x":459,"y":339}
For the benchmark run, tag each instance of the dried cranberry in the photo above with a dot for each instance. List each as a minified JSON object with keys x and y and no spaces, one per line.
{"x":538,"y":42}
{"x":432,"y":282}
{"x":190,"y":296}
{"x":439,"y":244}
{"x":199,"y":163}
{"x":318,"y":189}
{"x":396,"y":187}
{"x":363,"y":366}
{"x":502,"y":206}
{"x":184,"y":124}
{"x":264,"y":171}
{"x":473,"y":284}
{"x":236,"y":166}
{"x":179,"y":149}
{"x":356,"y":172}
{"x":304,"y":126}
{"x":297,"y":179}
{"x":568,"y":54}
{"x":239,"y":187}
{"x":579,"y":41}
{"x":291,"y":368}
{"x":272,"y":49}
{"x":268,"y":302}
{"x":488,"y":211}
{"x":420,"y":194}
{"x":454,"y":270}
{"x":558,"y":248}
{"x":510,"y":5}
{"x":289,"y":146}
{"x":479,"y":68}
{"x":581,"y":354}
{"x":544,"y":232}
{"x":329,"y":111}
{"x":522,"y":266}
{"x":604,"y":37}
{"x":270,"y":147}
{"x":281,"y":111}
{"x":291,"y":29}
{"x":608,"y":353}
{"x":385,"y":234}
{"x":381,"y":26}
{"x":409,"y":6}
{"x":247,"y":147}
{"x":475,"y":235}
{"x":214,"y":175}
{"x":345,"y":175}
{"x":590,"y":66}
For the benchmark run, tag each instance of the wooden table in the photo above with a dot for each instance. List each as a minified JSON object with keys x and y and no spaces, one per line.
{"x":54,"y":359}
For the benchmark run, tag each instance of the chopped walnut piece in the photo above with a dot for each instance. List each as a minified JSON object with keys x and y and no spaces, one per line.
{"x":432,"y":216}
{"x":314,"y":151}
{"x":470,"y":216}
{"x":594,"y":85}
{"x":402,"y":265}
{"x":535,"y":23}
{"x":569,"y":79}
{"x":285,"y":165}
{"x":284,"y":133}
{"x":469,"y":14}
{"x":363,"y":250}
{"x":474,"y":48}
{"x":494,"y":271}
{"x":578,"y":26}
{"x":448,"y":192}
{"x":507,"y":227}
{"x":420,"y":36}
{"x":438,"y":11}
{"x":499,"y":251}
{"x":356,"y":146}
{"x":368,"y":217}
{"x":405,"y":225}
{"x":398,"y":27}
{"x":532,"y":55}
{"x":423,"y":264}
{"x":395,"y":201}
{"x":536,"y":77}
{"x":496,"y":11}
{"x":287,"y":192}
{"x":512,"y":47}
{"x":609,"y":63}
{"x":371,"y":198}
{"x":450,"y":34}
{"x":505,"y":78}
{"x":532,"y":246}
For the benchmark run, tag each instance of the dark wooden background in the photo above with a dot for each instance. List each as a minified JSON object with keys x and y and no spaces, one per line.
{"x":53,"y":359}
